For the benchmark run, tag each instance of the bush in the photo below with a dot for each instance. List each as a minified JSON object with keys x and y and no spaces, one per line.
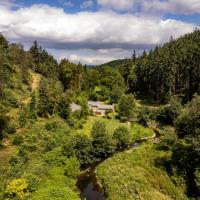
{"x":10,"y":129}
{"x":122,"y":137}
{"x":72,"y":168}
{"x":144,"y":116}
{"x":102,"y":143}
{"x":22,"y":117}
{"x":55,"y":193}
{"x":169,"y":113}
{"x":33,"y":182}
{"x":17,"y":188}
{"x":123,"y":119}
{"x":13,"y":102}
{"x":17,"y":140}
{"x":51,"y":126}
{"x":55,"y":157}
{"x":126,"y":106}
{"x":83,"y":149}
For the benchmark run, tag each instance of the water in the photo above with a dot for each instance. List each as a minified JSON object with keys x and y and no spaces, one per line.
{"x":89,"y":187}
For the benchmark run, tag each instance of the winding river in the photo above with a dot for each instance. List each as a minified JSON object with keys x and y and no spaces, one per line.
{"x":87,"y":182}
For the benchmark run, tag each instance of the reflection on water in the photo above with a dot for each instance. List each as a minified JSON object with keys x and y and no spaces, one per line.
{"x":88,"y":186}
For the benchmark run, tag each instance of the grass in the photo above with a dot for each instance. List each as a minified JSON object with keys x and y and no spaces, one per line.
{"x":137,"y":131}
{"x":133,"y":175}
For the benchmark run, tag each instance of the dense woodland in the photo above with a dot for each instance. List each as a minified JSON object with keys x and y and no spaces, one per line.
{"x":48,"y":144}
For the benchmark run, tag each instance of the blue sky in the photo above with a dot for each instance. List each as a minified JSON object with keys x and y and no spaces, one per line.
{"x":97,"y":31}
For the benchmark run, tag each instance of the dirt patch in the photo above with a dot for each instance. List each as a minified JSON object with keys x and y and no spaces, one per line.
{"x":35,"y":81}
{"x":5,"y":153}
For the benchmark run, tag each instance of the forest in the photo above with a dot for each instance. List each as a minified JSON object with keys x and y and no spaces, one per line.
{"x":45,"y":146}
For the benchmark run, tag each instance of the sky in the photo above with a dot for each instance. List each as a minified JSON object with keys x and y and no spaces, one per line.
{"x":97,"y":31}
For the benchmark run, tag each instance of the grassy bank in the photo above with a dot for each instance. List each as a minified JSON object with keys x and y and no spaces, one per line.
{"x":135,"y":174}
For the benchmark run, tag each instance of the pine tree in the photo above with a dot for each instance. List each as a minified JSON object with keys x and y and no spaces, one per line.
{"x":33,"y":107}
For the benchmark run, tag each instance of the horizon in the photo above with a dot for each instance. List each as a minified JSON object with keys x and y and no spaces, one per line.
{"x":98,"y":31}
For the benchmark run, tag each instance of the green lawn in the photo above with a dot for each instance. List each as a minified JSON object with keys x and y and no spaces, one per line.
{"x":133,"y":175}
{"x":137,"y":131}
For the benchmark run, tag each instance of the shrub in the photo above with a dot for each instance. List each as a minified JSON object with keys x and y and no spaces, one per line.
{"x":51,"y":126}
{"x":123,"y":119}
{"x":22,"y":117}
{"x":10,"y":129}
{"x":13,"y":102}
{"x":126,"y":106}
{"x":17,"y":188}
{"x":14,"y":160}
{"x":33,"y":182}
{"x":83,"y":149}
{"x":31,"y":144}
{"x":56,"y":193}
{"x":102,"y":143}
{"x":17,"y":140}
{"x":72,"y":168}
{"x":144,"y":116}
{"x":122,"y":137}
{"x":55,"y":157}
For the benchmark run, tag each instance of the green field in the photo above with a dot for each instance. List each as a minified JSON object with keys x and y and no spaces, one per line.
{"x":137,"y":131}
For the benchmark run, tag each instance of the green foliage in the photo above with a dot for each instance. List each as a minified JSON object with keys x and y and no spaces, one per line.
{"x":168,"y":114}
{"x":197,"y":178}
{"x":42,"y":62}
{"x":51,"y":126}
{"x":72,"y":168}
{"x":188,"y":123}
{"x":71,"y":75}
{"x":33,"y":182}
{"x":83,"y":149}
{"x":17,"y":140}
{"x":122,"y":137}
{"x":50,"y":92}
{"x":123,"y":119}
{"x":172,"y":69}
{"x":17,"y":187}
{"x":56,"y":193}
{"x":10,"y":129}
{"x":22,"y":117}
{"x":102,"y":143}
{"x":55,"y":157}
{"x":63,"y":107}
{"x":144,"y":116}
{"x":126,"y":106}
{"x":33,"y":107}
{"x":134,"y":175}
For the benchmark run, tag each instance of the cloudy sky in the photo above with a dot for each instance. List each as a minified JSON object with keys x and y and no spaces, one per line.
{"x":97,"y":31}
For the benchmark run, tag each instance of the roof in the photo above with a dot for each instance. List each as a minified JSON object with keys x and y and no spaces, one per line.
{"x":105,"y":107}
{"x":94,"y":103}
{"x":74,"y":107}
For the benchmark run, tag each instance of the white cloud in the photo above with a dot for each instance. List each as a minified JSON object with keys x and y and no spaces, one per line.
{"x":117,"y":4}
{"x":53,"y":24}
{"x":87,"y":4}
{"x":96,"y":31}
{"x":68,"y":4}
{"x":153,"y":6}
{"x":91,"y":57}
{"x":8,"y":3}
{"x":171,"y":6}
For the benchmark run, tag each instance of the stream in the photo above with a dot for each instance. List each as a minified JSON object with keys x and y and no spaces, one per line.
{"x":89,"y":187}
{"x":87,"y":182}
